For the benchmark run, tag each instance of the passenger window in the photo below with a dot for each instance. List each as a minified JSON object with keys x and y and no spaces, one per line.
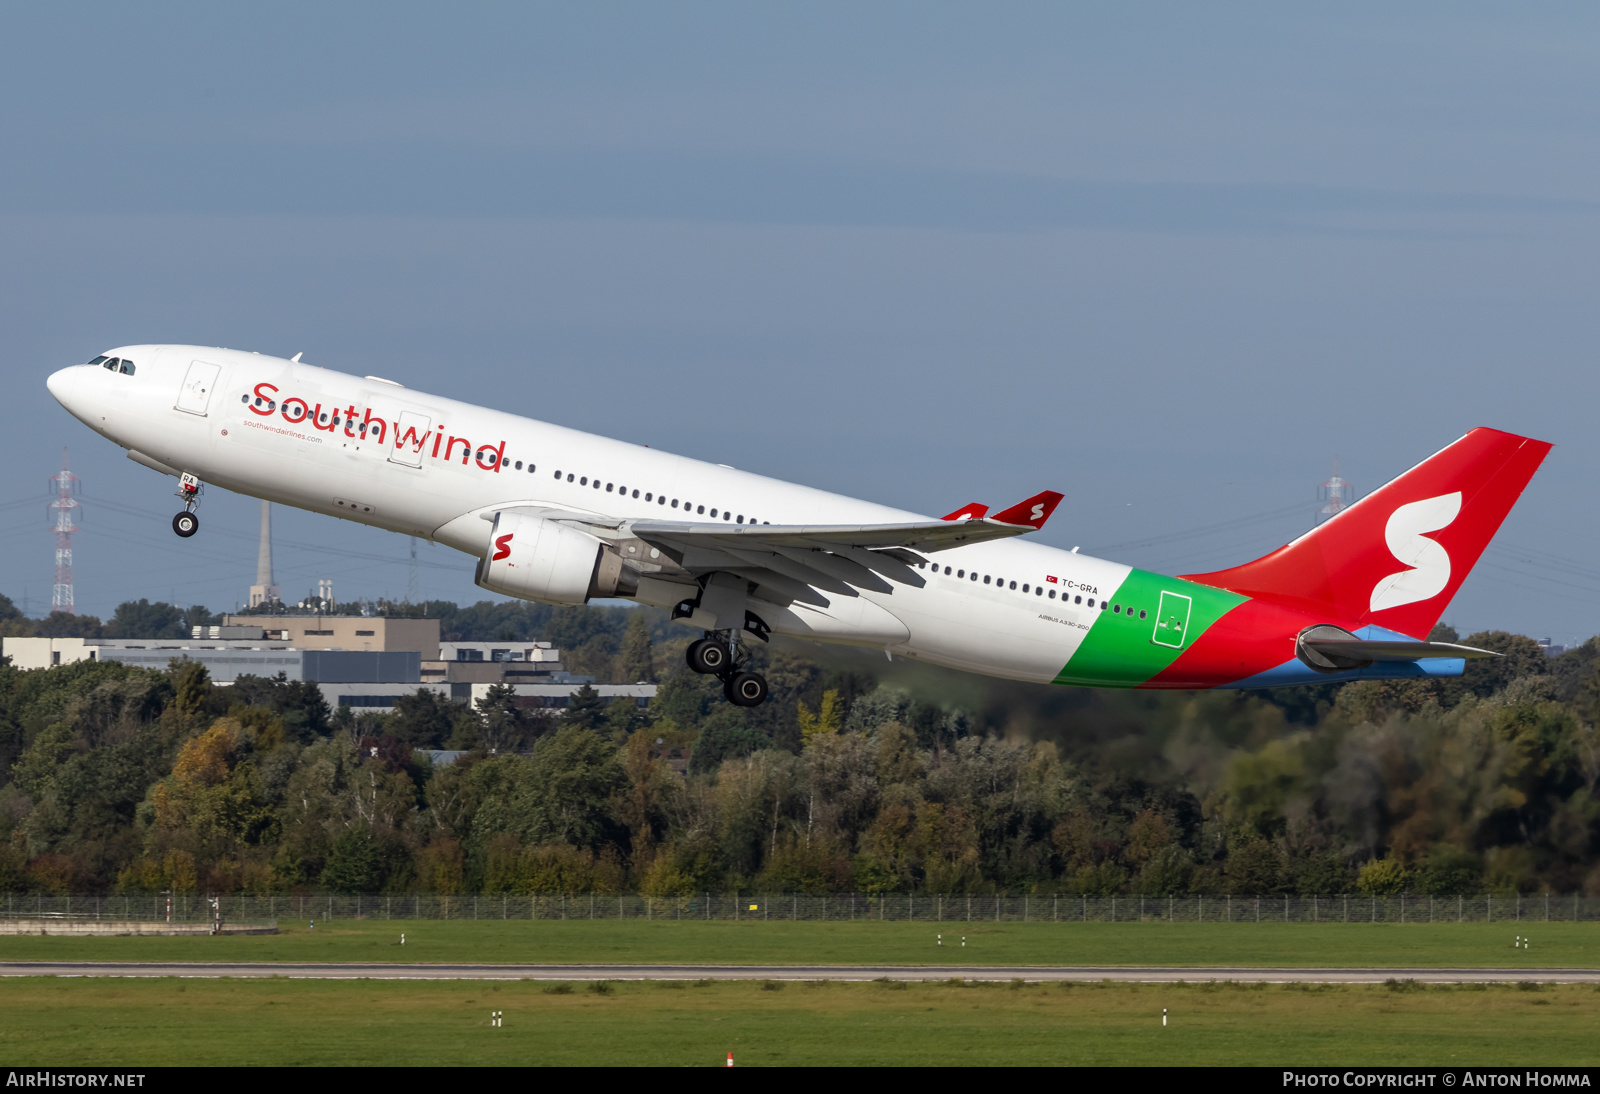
{"x":1142,"y":613}
{"x":986,"y":579}
{"x":973,"y":576}
{"x":127,"y":368}
{"x":713,"y":512}
{"x":530,"y":469}
{"x":1013,"y":585}
{"x":674,"y":503}
{"x":701,"y":510}
{"x":726,"y":515}
{"x":1091,"y":603}
{"x":1052,"y":594}
{"x":518,"y":465}
{"x":608,"y":487}
{"x":636,"y":494}
{"x":245,"y":399}
{"x":662,"y":500}
{"x":1024,"y":587}
{"x":1117,"y":608}
{"x":947,"y":571}
{"x":740,"y":519}
{"x":1038,"y":590}
{"x":584,"y":481}
{"x":558,"y":476}
{"x":961,"y":573}
{"x":597,"y":484}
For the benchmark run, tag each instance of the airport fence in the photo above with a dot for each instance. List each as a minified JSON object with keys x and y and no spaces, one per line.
{"x":793,"y":907}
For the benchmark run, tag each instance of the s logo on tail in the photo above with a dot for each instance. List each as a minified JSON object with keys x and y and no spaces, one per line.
{"x":1429,"y":563}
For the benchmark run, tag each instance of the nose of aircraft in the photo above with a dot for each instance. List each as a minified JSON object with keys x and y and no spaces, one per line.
{"x":61,"y":384}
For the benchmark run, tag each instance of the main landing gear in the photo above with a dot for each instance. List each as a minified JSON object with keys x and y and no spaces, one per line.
{"x":187,"y":523}
{"x":721,"y":654}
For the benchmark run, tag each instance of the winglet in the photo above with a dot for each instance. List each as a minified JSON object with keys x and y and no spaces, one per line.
{"x":975,"y":511}
{"x":1031,"y":513}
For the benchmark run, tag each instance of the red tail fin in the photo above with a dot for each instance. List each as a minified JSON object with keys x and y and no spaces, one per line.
{"x":971,"y":511}
{"x":1397,"y":556}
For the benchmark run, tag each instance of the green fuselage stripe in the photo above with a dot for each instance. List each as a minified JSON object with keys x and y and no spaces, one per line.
{"x":1124,"y":650}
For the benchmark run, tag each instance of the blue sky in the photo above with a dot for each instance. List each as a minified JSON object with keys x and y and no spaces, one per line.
{"x":1168,"y":259}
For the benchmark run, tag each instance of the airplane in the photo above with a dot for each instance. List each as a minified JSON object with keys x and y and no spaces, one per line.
{"x":556,"y":515}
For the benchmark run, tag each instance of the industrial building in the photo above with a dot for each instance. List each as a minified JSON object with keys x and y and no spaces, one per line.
{"x":386,"y":659}
{"x":344,"y":632}
{"x":225,"y":659}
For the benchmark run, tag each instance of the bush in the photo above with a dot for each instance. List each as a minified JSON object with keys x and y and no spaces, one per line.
{"x":1382,"y":877}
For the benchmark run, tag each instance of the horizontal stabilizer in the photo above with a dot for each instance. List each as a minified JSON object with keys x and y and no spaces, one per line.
{"x":1331,"y":649}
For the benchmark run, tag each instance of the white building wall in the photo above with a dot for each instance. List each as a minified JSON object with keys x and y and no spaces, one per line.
{"x":42,"y":653}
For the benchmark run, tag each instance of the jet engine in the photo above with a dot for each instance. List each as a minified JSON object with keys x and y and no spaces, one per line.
{"x":532,"y":558}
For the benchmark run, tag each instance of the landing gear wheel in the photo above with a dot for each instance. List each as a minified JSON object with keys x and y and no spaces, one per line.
{"x":708,"y":657}
{"x":746,"y":689}
{"x":186,"y":524}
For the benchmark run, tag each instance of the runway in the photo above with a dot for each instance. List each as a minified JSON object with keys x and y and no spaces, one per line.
{"x":1062,"y":973}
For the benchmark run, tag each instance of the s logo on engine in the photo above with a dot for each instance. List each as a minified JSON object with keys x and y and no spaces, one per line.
{"x":502,"y":547}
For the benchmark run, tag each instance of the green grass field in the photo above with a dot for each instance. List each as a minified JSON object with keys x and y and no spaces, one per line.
{"x":610,"y":941}
{"x":130,"y":1023}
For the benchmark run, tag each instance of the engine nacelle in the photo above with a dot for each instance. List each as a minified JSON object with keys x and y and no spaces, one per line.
{"x":531,"y":558}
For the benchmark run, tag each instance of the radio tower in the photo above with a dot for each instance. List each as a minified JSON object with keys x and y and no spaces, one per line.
{"x":65,"y":485}
{"x":1336,"y":495}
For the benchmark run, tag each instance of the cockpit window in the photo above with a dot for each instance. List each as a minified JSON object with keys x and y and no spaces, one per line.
{"x":127,"y":368}
{"x":110,"y":363}
{"x":102,"y":359}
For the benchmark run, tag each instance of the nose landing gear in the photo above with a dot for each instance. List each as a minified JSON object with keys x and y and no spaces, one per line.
{"x":187,"y":523}
{"x":721,"y":654}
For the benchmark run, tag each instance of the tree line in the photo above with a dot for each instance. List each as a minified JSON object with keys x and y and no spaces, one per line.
{"x":857,"y":775}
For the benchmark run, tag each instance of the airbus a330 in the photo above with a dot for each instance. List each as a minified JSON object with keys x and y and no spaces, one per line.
{"x":561,"y":516}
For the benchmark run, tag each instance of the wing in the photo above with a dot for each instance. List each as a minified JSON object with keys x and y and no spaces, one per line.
{"x":806,"y":562}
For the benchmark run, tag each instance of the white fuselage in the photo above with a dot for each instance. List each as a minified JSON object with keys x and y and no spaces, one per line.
{"x":469,"y":460}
